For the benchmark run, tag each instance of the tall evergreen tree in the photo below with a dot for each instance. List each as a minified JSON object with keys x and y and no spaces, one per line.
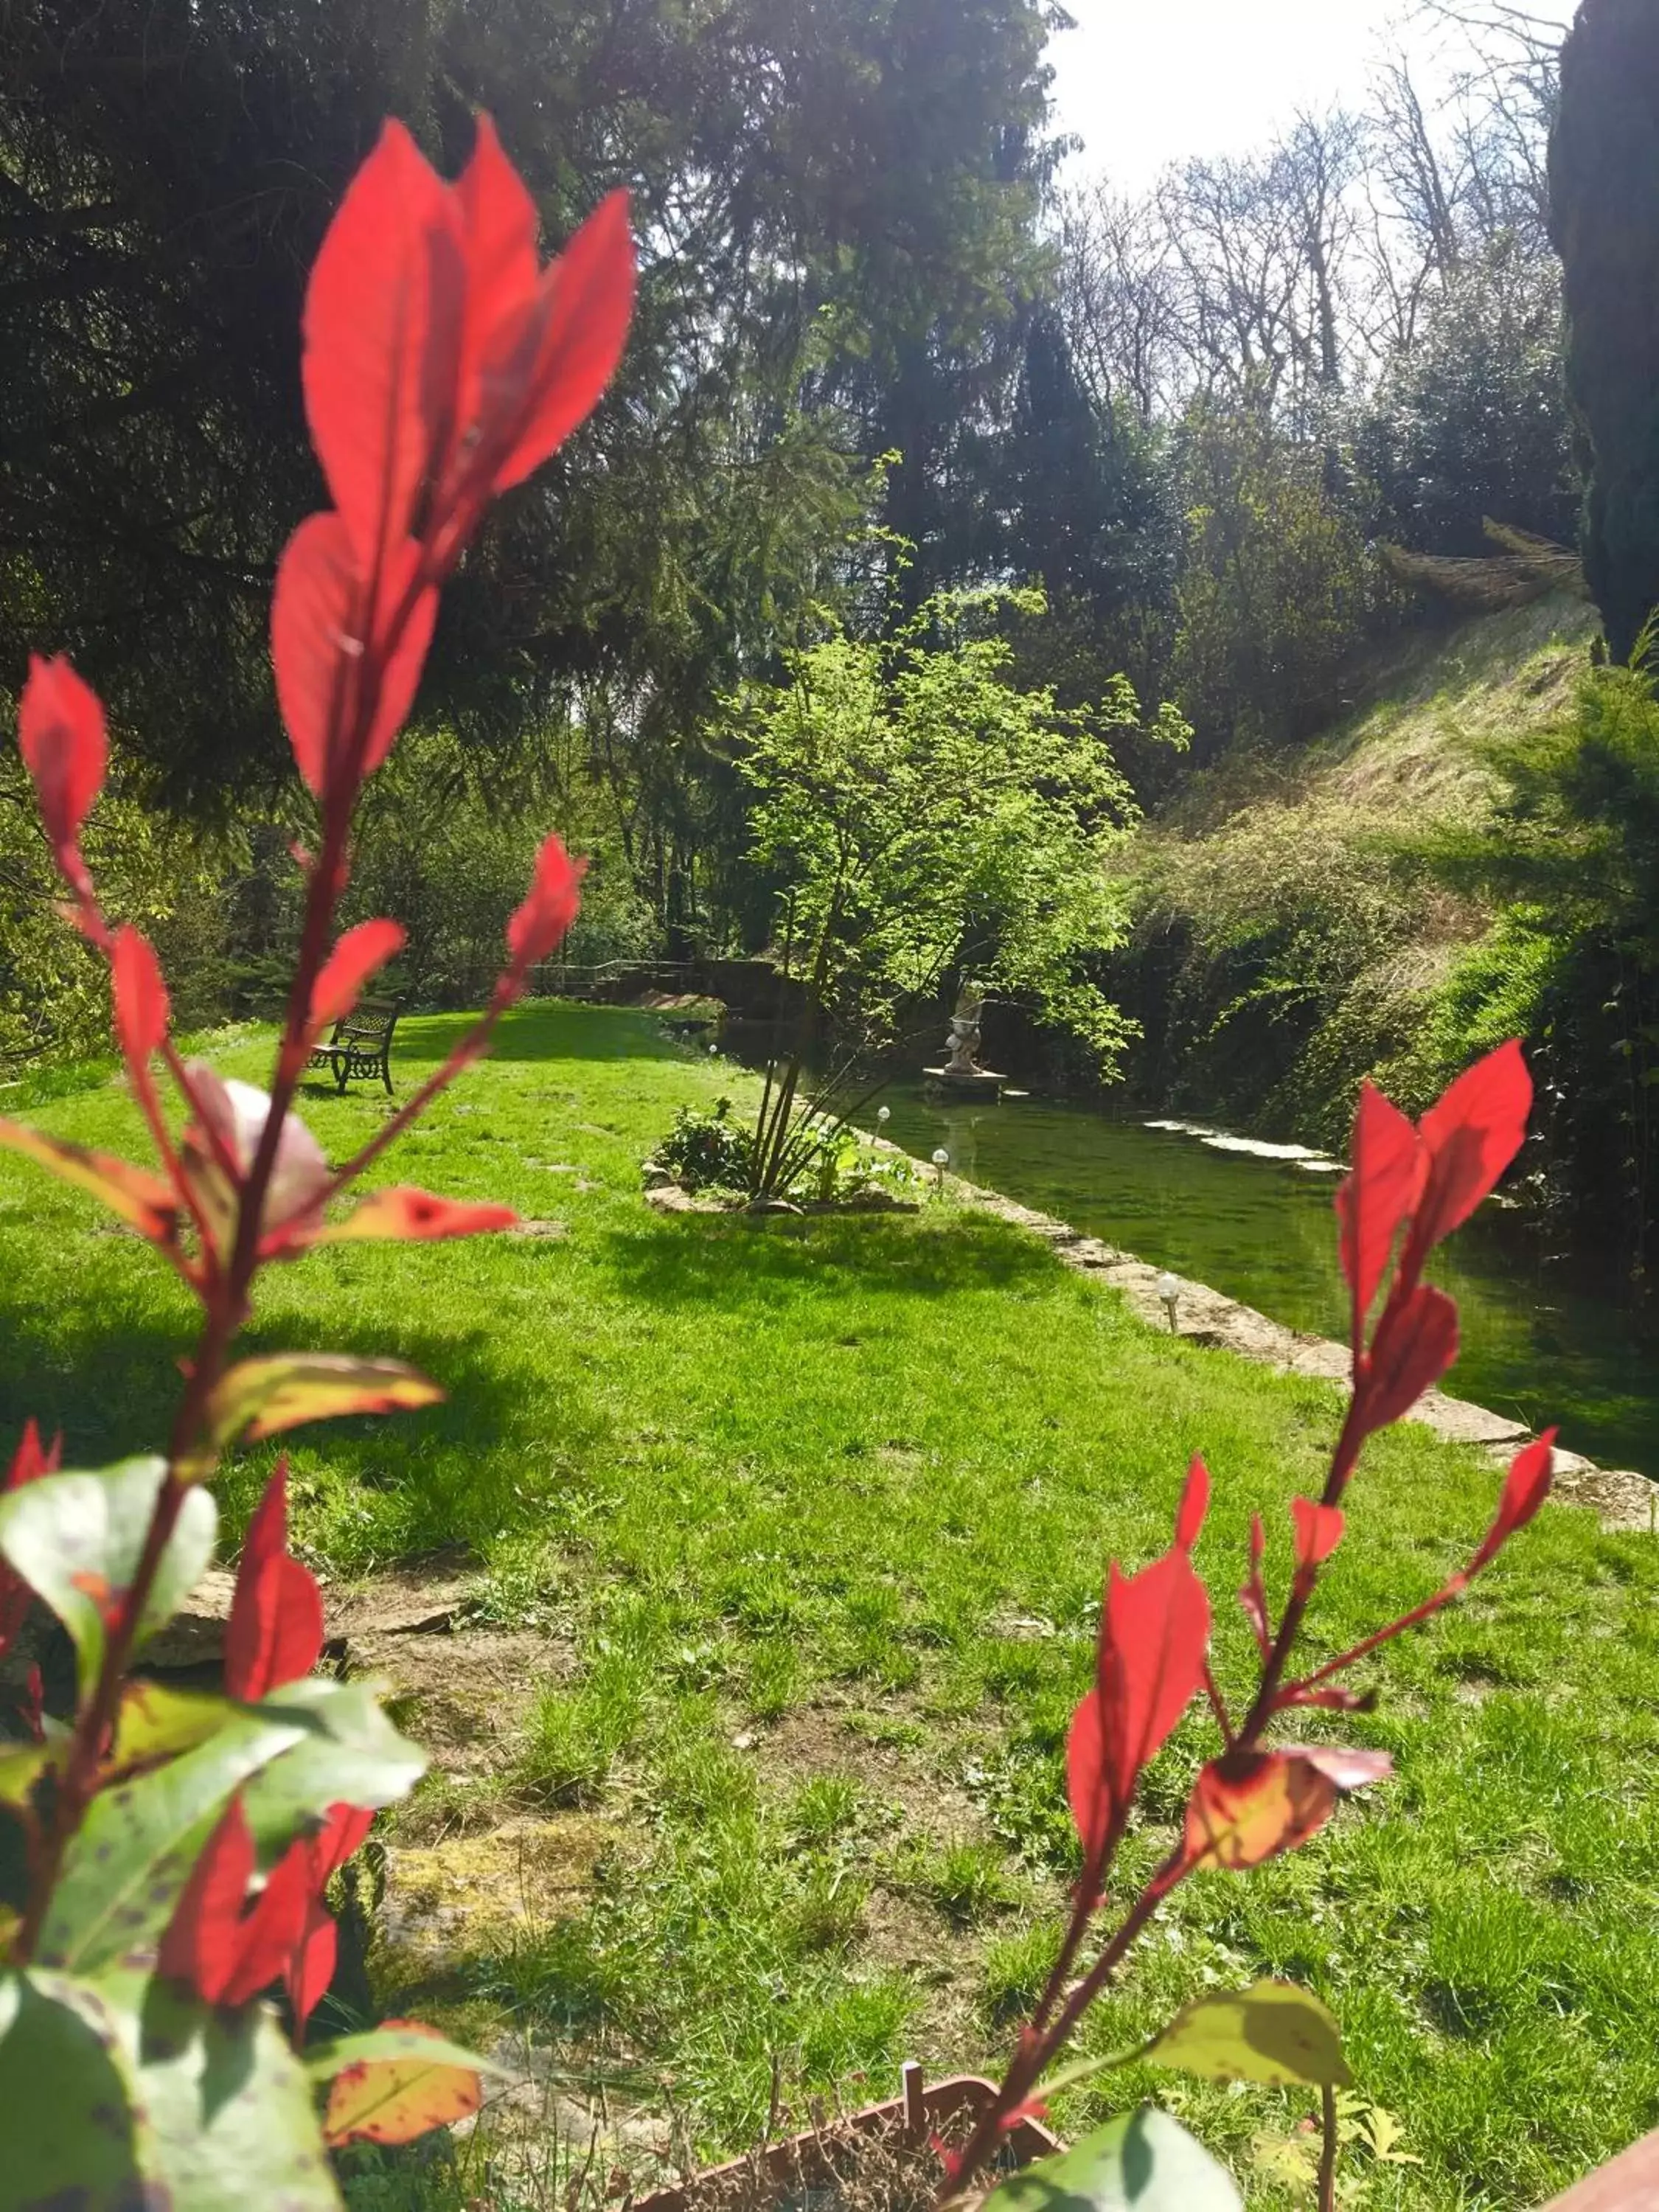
{"x":1604,"y":188}
{"x":825,"y":194}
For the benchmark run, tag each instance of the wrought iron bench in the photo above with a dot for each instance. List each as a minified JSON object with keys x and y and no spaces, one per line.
{"x":360,"y":1044}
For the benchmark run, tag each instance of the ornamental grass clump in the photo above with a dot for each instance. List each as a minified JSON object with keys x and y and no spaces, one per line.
{"x":176,"y":1845}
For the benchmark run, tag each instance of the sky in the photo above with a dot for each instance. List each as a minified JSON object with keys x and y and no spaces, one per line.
{"x":1150,"y":81}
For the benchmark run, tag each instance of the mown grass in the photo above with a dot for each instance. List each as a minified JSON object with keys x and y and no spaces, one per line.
{"x":824,"y":1506}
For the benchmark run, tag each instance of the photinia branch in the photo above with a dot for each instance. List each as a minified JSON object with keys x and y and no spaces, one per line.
{"x":442,"y":364}
{"x":1408,"y":1188}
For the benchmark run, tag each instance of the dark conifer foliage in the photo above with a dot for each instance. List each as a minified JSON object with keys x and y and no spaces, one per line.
{"x":1604,"y":184}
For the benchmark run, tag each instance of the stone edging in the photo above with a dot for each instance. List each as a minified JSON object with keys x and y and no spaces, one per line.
{"x":1623,"y":1499}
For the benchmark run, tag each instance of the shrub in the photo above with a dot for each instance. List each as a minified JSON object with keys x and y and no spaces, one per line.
{"x":177,"y":1847}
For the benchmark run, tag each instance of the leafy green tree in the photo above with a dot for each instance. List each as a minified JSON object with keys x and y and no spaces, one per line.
{"x":1278,"y":587}
{"x":928,"y":824}
{"x":1472,"y":421}
{"x":1604,"y":188}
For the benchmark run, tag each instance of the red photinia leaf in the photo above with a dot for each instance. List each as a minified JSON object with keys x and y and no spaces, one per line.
{"x":321,"y":627}
{"x":60,"y":732}
{"x":1154,"y":1636}
{"x":393,"y":2100}
{"x":275,"y":1632}
{"x":140,"y":1199}
{"x":311,"y":1964}
{"x":498,"y":231}
{"x":32,"y":1459}
{"x":567,"y":349}
{"x":554,"y":899}
{"x":203,"y":1942}
{"x":139,"y":995}
{"x":1195,"y":1504}
{"x":1318,"y":1531}
{"x":382,"y":319}
{"x":1376,"y":1196}
{"x":361,"y":953}
{"x":417,"y":1215}
{"x":1525,"y":1488}
{"x":1416,"y":1343}
{"x":271,"y":1933}
{"x":28,"y":1463}
{"x":1254,"y":1595}
{"x":310,"y":1967}
{"x":1469,"y":1139}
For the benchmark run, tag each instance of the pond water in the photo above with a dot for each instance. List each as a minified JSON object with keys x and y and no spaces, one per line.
{"x":1544,"y":1341}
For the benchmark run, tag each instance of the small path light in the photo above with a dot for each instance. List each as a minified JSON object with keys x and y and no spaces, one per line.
{"x":941,"y":1161}
{"x":884,"y":1115}
{"x":1168,"y":1291}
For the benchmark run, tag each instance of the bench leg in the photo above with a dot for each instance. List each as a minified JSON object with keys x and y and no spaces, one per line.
{"x":386,"y":1073}
{"x":342,"y":1069}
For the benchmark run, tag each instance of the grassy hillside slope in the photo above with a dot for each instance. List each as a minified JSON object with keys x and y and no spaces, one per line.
{"x":1285,"y":945}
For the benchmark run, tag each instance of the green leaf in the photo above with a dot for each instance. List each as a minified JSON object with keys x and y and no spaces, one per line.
{"x":1271,"y":2032}
{"x":76,"y":1539}
{"x":1142,"y":2163}
{"x":227,"y":2105}
{"x":131,"y":1857}
{"x":21,"y":1770}
{"x":350,"y":1753}
{"x":156,"y":1723}
{"x":396,"y":2040}
{"x":69,"y":2132}
{"x":264,"y":1396}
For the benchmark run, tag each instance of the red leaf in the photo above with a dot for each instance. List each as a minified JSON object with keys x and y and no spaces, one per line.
{"x":1526,"y":1487}
{"x":140,"y":996}
{"x":1254,"y":1595}
{"x":1195,"y":1504}
{"x":1154,"y":1635}
{"x":275,"y":1632}
{"x":382,"y":322}
{"x":498,"y":231}
{"x":1470,"y":1138}
{"x":361,"y":953}
{"x":269,"y":1936}
{"x":321,"y":632}
{"x":416,"y":1216}
{"x":203,"y":1942}
{"x":1416,"y":1343}
{"x":392,"y":2101}
{"x":60,"y":733}
{"x":565,"y":352}
{"x":554,"y":899}
{"x":1376,"y":1196}
{"x":1318,"y":1531}
{"x":310,"y":1968}
{"x":31,"y":1460}
{"x":345,"y":1831}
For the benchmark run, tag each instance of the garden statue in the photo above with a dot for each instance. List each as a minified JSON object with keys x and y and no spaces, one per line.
{"x":962,"y":1071}
{"x":963,"y":1043}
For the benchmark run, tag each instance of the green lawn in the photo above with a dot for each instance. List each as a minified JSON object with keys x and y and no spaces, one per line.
{"x":814,"y":1517}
